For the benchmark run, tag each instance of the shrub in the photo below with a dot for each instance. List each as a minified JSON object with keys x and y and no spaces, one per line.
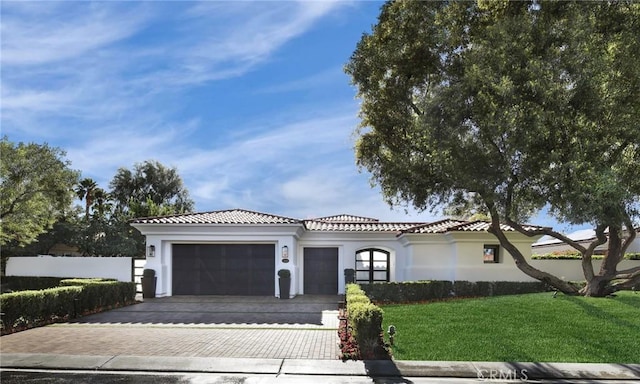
{"x":26,"y":309}
{"x":632,"y":256}
{"x":29,"y":283}
{"x":364,"y":321}
{"x":411,"y":291}
{"x":575,"y":255}
{"x":98,"y":293}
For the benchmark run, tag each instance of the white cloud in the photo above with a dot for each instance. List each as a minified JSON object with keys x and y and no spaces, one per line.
{"x":77,"y":74}
{"x":52,"y":32}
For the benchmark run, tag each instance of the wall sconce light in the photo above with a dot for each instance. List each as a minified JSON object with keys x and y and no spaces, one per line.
{"x":152,"y":251}
{"x":285,"y":254}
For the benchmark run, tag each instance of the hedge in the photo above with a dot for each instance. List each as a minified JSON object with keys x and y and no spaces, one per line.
{"x":365,"y":323}
{"x":410,"y":291}
{"x":575,"y":255}
{"x":416,"y":291}
{"x":26,"y":309}
{"x":29,"y":283}
{"x":99,"y":293}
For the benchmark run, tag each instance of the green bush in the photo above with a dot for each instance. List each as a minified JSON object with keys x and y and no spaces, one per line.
{"x":632,"y":256}
{"x":353,"y":289}
{"x":75,"y":297}
{"x":417,"y":291}
{"x":575,"y":255}
{"x":29,"y":283}
{"x":410,"y":291}
{"x":30,"y":308}
{"x":365,"y":322}
{"x":98,"y":293}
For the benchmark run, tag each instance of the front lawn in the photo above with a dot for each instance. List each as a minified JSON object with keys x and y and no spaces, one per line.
{"x":533,"y":327}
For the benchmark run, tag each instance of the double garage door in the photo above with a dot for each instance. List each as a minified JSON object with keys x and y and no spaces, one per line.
{"x":223,"y":269}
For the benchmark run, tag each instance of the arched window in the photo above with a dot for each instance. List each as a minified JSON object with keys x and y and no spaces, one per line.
{"x":372,"y":265}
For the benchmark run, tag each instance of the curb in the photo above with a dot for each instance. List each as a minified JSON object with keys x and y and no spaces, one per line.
{"x":371,"y":368}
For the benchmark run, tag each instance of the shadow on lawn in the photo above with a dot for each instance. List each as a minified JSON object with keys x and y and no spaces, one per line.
{"x":594,"y":311}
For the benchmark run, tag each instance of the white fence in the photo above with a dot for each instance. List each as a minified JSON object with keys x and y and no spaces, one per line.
{"x":119,"y":268}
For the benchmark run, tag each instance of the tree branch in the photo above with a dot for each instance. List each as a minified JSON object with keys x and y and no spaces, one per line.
{"x":627,"y":273}
{"x":520,"y":260}
{"x":627,"y":284}
{"x":631,"y":234}
{"x":415,"y":109}
{"x":545,"y":231}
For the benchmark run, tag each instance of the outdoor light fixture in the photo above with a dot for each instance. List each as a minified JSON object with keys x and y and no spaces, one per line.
{"x":152,"y":250}
{"x":392,"y":333}
{"x":285,"y":254}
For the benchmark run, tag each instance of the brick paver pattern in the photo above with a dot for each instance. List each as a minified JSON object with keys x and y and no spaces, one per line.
{"x":71,"y":339}
{"x":303,"y":328}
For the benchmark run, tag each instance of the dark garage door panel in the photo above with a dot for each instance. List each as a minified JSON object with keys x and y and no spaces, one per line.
{"x":223,"y":269}
{"x":321,"y":271}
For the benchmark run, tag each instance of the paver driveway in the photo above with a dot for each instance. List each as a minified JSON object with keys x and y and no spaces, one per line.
{"x":304,"y":327}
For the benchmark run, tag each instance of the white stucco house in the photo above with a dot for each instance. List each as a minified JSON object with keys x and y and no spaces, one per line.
{"x":238,"y":252}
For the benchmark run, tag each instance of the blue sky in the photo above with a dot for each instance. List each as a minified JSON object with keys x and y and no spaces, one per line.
{"x":247,"y":99}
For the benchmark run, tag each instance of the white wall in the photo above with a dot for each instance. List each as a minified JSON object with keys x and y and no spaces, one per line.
{"x":430,"y":260}
{"x":61,"y":266}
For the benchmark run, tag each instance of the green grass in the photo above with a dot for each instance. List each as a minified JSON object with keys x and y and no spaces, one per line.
{"x":534,"y":327}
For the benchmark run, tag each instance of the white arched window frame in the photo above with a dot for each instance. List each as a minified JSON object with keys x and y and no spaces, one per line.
{"x":372,"y":265}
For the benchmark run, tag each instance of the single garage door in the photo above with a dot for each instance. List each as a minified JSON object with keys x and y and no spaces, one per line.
{"x":321,"y":271}
{"x":224,"y":269}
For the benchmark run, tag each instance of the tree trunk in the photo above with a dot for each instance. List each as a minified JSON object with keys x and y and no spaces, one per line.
{"x":598,"y":286}
{"x":561,"y":285}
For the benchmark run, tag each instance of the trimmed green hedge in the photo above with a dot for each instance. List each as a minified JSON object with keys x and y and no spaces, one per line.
{"x":416,"y":291}
{"x":575,"y":255}
{"x":26,"y":309}
{"x":365,"y":322}
{"x":29,"y":283}
{"x":410,"y":291}
{"x":99,"y":293}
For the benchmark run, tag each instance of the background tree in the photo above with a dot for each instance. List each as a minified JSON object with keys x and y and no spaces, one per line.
{"x":149,"y":182}
{"x":36,"y":189}
{"x":85,"y":190}
{"x":504,"y":108}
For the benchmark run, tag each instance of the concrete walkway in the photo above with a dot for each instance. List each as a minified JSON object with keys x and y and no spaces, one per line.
{"x":481,"y":371}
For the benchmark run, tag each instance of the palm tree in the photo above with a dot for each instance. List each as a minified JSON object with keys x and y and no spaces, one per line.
{"x":86,"y":190}
{"x":101,"y":201}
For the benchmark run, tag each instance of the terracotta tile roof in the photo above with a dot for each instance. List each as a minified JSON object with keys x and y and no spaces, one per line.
{"x":374,"y":226}
{"x":346,"y":219}
{"x":441,"y":226}
{"x":337,"y":223}
{"x":450,"y":225}
{"x":231,"y":216}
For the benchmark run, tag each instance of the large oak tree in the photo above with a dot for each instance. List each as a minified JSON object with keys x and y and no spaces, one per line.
{"x":36,"y":187}
{"x":505,"y":108}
